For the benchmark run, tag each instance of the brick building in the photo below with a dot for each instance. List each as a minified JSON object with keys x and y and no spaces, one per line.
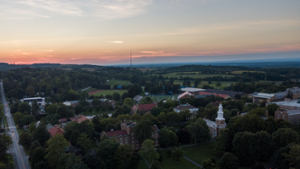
{"x":292,"y":116}
{"x":126,"y":135}
{"x":143,"y":108}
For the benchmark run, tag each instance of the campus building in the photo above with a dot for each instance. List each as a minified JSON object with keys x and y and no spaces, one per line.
{"x":262,"y":97}
{"x":288,"y":110}
{"x":126,"y":135}
{"x":40,"y":100}
{"x":218,"y":124}
{"x":143,"y":108}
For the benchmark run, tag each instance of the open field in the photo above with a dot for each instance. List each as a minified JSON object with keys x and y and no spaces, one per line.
{"x":213,"y":83}
{"x":161,"y":97}
{"x":118,"y":82}
{"x":201,"y":152}
{"x":238,"y":72}
{"x":182,"y":74}
{"x":90,"y":90}
{"x":108,"y":92}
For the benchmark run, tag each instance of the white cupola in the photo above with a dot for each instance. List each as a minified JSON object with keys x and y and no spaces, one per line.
{"x":220,"y":120}
{"x":220,"y":113}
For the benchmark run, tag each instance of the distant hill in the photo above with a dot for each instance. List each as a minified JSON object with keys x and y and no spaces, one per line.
{"x":6,"y":66}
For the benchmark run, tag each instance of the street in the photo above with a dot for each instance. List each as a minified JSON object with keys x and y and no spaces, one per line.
{"x":17,"y":151}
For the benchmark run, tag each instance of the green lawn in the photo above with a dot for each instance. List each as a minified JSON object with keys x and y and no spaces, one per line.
{"x":201,"y":152}
{"x":213,"y":83}
{"x":109,"y":92}
{"x":20,"y":130}
{"x":118,"y":82}
{"x":170,"y":163}
{"x":178,"y":75}
{"x":142,"y":164}
{"x":242,"y":71}
{"x":90,"y":90}
{"x":159,"y":98}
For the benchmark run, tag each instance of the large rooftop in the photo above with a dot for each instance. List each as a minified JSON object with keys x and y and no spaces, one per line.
{"x":189,"y":89}
{"x":263,"y":95}
{"x":292,"y":103}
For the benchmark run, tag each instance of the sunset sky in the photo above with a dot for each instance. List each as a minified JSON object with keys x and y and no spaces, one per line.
{"x":102,"y":32}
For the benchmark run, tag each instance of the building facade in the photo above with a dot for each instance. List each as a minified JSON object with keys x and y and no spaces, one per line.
{"x":218,"y":124}
{"x":40,"y":100}
{"x":126,"y":135}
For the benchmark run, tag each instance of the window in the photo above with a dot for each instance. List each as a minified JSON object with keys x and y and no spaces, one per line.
{"x":283,"y":116}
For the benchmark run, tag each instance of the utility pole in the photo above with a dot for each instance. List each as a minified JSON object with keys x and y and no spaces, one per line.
{"x":130,"y":60}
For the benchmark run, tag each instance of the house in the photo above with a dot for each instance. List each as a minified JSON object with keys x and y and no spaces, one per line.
{"x":187,"y":106}
{"x":77,"y":119}
{"x":55,"y":130}
{"x":218,"y":124}
{"x":40,"y":100}
{"x":143,"y":108}
{"x":262,"y":97}
{"x":126,"y":135}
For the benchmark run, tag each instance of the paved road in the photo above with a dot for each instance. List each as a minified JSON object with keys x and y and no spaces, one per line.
{"x":20,"y":158}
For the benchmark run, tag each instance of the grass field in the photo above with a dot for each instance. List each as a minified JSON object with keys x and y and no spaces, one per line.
{"x":201,"y":152}
{"x":238,"y":72}
{"x":213,"y":83}
{"x":118,"y":82}
{"x":108,"y":92}
{"x":90,"y":90}
{"x":177,"y":75}
{"x":170,"y":163}
{"x":167,"y":97}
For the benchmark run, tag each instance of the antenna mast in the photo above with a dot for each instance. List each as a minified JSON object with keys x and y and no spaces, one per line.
{"x":130,"y":60}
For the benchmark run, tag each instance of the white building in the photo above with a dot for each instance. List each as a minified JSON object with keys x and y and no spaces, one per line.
{"x":186,"y":107}
{"x":40,"y":100}
{"x":216,"y":126}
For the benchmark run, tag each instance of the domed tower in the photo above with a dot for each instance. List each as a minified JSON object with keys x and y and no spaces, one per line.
{"x":220,"y":120}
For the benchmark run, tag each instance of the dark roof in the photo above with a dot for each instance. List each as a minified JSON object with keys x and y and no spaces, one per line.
{"x":137,"y":98}
{"x":116,"y":133}
{"x":229,"y":93}
{"x":184,"y":107}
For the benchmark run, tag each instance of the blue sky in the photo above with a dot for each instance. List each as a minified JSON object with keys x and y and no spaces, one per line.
{"x":104,"y":31}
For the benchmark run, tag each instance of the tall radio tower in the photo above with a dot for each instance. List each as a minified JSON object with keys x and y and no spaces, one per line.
{"x":130,"y":60}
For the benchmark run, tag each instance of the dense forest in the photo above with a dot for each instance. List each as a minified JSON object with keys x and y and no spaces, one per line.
{"x":252,"y":140}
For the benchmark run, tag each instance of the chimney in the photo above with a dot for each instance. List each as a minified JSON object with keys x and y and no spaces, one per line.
{"x":111,"y":129}
{"x":267,"y":113}
{"x":238,"y":113}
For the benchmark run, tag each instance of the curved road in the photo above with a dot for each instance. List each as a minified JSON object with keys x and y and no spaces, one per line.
{"x":17,"y":151}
